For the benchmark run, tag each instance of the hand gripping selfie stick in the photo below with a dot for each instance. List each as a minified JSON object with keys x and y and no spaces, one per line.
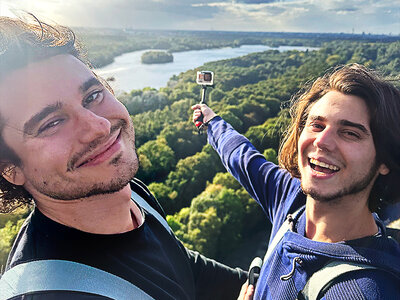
{"x":199,"y":122}
{"x":204,"y":78}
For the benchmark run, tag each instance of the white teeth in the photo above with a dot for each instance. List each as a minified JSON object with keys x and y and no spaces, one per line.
{"x":324,"y":165}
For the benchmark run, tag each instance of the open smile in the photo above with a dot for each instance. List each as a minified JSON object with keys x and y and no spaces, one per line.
{"x":322,"y":168}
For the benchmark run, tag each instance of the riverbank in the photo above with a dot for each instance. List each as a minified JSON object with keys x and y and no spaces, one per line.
{"x":130,"y":73}
{"x":104,"y":45}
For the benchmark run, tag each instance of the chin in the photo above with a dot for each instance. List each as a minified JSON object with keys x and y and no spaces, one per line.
{"x":109,"y":188}
{"x":322,"y":197}
{"x":319,"y":193}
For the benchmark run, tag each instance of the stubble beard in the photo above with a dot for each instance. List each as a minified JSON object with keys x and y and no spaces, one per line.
{"x":353,"y":189}
{"x":73,"y":191}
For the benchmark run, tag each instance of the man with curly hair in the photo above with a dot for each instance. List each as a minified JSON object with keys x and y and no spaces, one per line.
{"x":67,"y":144}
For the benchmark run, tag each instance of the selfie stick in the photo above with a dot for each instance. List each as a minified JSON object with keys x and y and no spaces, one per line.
{"x":199,"y":122}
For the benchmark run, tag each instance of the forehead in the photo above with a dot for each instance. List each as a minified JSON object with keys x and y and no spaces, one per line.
{"x":41,"y":83}
{"x":339,"y":106}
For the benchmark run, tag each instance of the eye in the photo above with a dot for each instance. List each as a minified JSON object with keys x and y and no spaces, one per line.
{"x":351,"y":134}
{"x":50,"y":125}
{"x":95,"y":97}
{"x":316,"y":126}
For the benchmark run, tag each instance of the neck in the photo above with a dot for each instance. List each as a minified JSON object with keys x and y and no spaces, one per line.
{"x":100,"y":214}
{"x":339,"y":220}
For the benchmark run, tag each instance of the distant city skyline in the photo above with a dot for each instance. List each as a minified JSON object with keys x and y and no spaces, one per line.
{"x":330,"y":16}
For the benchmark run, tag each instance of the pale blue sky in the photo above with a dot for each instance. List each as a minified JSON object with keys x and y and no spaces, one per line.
{"x":369,"y":16}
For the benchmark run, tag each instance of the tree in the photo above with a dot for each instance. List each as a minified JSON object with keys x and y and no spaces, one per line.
{"x":157,"y":160}
{"x":205,"y":231}
{"x":232,"y":119}
{"x":191,"y":174}
{"x":270,"y":155}
{"x":226,"y":180}
{"x":165,"y":195}
{"x":333,"y":60}
{"x":229,"y":210}
{"x":182,"y":139}
{"x":146,"y":100}
{"x":216,"y":95}
{"x":7,"y":237}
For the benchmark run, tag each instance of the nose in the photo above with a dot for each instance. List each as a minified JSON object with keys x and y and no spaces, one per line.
{"x":91,"y":126}
{"x":325,"y":139}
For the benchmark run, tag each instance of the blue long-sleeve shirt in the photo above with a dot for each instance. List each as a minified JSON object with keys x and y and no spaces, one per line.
{"x":279,"y":195}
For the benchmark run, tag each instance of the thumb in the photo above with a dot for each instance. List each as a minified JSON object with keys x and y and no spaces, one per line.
{"x":196,"y":106}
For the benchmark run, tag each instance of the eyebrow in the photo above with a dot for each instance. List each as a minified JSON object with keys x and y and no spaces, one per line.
{"x":355,"y":125}
{"x":35,"y":119}
{"x":343,"y":122}
{"x":88,"y":84}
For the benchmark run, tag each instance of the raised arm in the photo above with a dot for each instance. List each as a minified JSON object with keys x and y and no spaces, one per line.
{"x":265,"y":182}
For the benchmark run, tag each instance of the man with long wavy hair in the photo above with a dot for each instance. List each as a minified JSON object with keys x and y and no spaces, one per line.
{"x":67,"y":144}
{"x":339,"y":163}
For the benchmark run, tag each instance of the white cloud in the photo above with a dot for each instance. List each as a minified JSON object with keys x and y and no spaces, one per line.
{"x":313,"y":16}
{"x":375,"y":16}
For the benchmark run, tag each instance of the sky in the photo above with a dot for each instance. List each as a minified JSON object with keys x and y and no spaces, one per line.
{"x":348,"y":16}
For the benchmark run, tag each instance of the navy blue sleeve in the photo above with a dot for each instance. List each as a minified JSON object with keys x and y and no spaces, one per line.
{"x":269,"y":185}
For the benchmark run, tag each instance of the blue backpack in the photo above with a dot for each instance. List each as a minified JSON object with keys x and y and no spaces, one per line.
{"x":329,"y":274}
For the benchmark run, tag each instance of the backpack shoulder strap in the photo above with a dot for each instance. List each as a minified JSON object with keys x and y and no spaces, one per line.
{"x":325,"y":277}
{"x":393,"y":233}
{"x":62,"y":275}
{"x":144,"y":204}
{"x":279,"y":235}
{"x":142,"y":190}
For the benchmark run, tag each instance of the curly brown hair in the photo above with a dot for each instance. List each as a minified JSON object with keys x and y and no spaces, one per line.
{"x":23,"y":42}
{"x":383,"y":101}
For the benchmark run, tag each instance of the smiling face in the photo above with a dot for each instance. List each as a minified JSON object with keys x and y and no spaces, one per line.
{"x":337,"y":156}
{"x":74,"y":139}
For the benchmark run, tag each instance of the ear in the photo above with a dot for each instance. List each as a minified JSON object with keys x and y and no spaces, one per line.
{"x":13,"y":175}
{"x":383,"y":170}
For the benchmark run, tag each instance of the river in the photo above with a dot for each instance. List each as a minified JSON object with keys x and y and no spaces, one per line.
{"x":130,"y":73}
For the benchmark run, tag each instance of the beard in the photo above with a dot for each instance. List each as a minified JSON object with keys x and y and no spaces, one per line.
{"x":68,"y":189}
{"x":353,"y":188}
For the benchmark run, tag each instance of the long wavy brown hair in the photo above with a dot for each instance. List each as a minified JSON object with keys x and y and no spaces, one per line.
{"x":382,"y":98}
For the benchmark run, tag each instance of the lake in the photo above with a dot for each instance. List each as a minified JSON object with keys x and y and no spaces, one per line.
{"x":130,"y":73}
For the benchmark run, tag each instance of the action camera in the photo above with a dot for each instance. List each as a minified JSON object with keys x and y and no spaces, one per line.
{"x":205,"y":78}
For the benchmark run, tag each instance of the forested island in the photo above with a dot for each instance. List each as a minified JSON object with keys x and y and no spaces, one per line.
{"x":156,"y":57}
{"x":207,"y":209}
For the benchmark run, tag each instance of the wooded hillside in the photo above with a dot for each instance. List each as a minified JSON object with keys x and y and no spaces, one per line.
{"x":207,"y":209}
